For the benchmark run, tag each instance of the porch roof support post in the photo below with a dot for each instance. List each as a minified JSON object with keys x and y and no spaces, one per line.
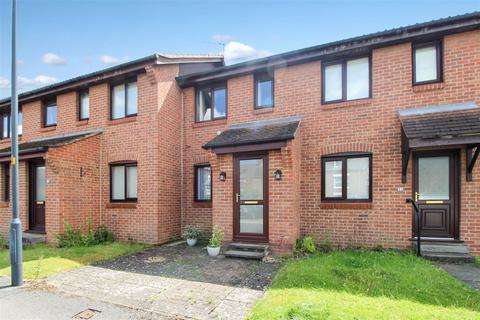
{"x":471,"y":159}
{"x":15,"y":226}
{"x":405,"y":156}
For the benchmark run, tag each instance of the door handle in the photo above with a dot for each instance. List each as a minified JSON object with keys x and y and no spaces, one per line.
{"x":417,"y":195}
{"x":237,"y":195}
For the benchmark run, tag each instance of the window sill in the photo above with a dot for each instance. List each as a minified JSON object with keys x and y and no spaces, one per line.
{"x":346,"y":205}
{"x":263,"y":110}
{"x":209,"y":123}
{"x":428,"y":87}
{"x":4,"y":204}
{"x":82,"y":122}
{"x":344,"y":104}
{"x":48,"y":129}
{"x":122,"y":205}
{"x":198,"y":204}
{"x":122,"y":120}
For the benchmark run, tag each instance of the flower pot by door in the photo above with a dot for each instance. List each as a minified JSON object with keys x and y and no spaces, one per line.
{"x":213,"y":252}
{"x":191,"y":242}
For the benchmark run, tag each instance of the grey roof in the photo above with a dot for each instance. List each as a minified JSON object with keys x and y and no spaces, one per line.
{"x":42,"y":145}
{"x":157,"y":58}
{"x":447,"y":121}
{"x":256,"y":132}
{"x":434,"y":28}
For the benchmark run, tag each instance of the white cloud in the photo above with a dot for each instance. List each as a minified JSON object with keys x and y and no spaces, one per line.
{"x":113,"y":60}
{"x":237,"y":51}
{"x":4,"y":83}
{"x":222,"y":38}
{"x":53,"y":59}
{"x":38,"y":81}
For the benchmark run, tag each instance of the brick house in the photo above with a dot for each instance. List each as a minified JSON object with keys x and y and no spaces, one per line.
{"x":327,"y":141}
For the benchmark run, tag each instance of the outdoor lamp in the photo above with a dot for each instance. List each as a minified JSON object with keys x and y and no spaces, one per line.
{"x":278,"y":174}
{"x":223,"y":175}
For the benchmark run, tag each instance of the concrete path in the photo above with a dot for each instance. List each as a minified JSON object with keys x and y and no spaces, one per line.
{"x":41,"y":303}
{"x":167,"y":297}
{"x":467,"y":272}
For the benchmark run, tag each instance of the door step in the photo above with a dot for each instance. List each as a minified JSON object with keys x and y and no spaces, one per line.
{"x":446,"y":252}
{"x":33,"y":238}
{"x":247,"y":250}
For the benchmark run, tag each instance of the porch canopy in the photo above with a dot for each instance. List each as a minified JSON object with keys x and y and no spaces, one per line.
{"x":38,"y":147}
{"x":436,"y":127}
{"x":255,"y":136}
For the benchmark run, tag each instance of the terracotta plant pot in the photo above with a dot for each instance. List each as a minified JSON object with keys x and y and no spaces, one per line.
{"x":191,"y":242}
{"x":213,"y":251}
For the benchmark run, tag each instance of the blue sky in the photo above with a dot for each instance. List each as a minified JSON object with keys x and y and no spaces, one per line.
{"x":60,"y":39}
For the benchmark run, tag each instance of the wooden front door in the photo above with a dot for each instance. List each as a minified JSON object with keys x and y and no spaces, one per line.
{"x":37,"y":196}
{"x":250,"y":203}
{"x":436,"y":188}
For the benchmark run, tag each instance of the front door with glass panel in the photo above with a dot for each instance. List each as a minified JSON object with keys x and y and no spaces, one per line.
{"x":436,"y":190}
{"x":250,"y":222}
{"x":37,"y":196}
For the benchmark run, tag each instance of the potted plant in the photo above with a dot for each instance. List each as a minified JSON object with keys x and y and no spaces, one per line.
{"x":191,"y":234}
{"x":215,"y":242}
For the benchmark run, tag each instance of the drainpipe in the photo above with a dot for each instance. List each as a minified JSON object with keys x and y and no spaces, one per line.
{"x":181,"y":160}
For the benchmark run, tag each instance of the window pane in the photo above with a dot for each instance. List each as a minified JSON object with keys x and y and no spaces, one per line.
{"x":358,"y":82}
{"x":220,"y":102}
{"x":118,"y":103}
{"x":51,"y":115}
{"x":20,"y":123}
{"x":40,"y":183}
{"x":204,"y":102}
{"x":204,"y":183}
{"x":433,"y":178}
{"x":132,"y":182}
{"x":251,"y":179}
{"x":251,"y":218}
{"x":264,"y":93}
{"x":426,"y":64}
{"x":132,"y":95}
{"x":358,"y":178}
{"x":333,"y":82}
{"x":118,"y":183}
{"x":84,"y":105}
{"x":6,"y":126}
{"x":333,"y":179}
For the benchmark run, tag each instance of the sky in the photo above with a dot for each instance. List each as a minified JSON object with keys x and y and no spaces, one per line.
{"x":61,"y":39}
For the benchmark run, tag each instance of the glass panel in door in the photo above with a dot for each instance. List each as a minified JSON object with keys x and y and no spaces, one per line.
{"x":251,"y":196}
{"x":434,"y":178}
{"x":40,"y":184}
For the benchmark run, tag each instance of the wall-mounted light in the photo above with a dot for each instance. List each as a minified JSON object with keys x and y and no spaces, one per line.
{"x":223,"y":175}
{"x":278,"y":174}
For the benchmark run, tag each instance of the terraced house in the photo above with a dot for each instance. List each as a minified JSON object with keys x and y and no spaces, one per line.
{"x":327,"y":141}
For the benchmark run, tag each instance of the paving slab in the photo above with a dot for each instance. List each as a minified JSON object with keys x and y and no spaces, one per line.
{"x":466,"y":272}
{"x":172,"y":281}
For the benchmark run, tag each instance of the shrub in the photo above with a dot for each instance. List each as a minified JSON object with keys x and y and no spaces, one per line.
{"x":76,"y":238}
{"x":191,"y":232}
{"x":216,"y":238}
{"x":305,"y":246}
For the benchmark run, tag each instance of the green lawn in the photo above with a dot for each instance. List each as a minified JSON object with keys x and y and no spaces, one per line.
{"x":366,"y":285}
{"x":40,"y":261}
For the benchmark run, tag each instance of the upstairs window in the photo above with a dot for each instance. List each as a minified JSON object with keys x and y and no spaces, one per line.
{"x":124,"y":100}
{"x":203,"y":183}
{"x":6,"y":130}
{"x":427,"y":63}
{"x":263,"y":91}
{"x":346,"y":80}
{"x":50,"y":112}
{"x":123,"y":182}
{"x":347,"y":178}
{"x":211,"y":103}
{"x":83,"y":105}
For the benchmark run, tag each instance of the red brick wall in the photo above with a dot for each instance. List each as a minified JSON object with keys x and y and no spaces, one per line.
{"x":366,"y":125}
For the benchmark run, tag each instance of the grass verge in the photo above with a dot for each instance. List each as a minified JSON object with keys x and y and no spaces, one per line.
{"x":366,"y":285}
{"x":40,"y":261}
